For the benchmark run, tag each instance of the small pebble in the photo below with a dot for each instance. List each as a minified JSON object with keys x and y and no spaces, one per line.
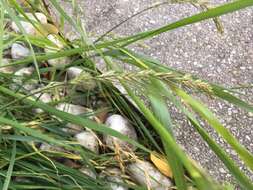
{"x":72,"y":108}
{"x":221,"y":170}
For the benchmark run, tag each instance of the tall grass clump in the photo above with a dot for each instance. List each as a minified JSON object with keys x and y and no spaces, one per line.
{"x":44,"y":142}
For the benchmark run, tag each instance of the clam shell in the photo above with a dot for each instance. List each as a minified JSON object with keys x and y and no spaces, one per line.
{"x":146,"y":174}
{"x":27,"y":26}
{"x":120,"y":124}
{"x":88,"y":140}
{"x":19,"y":51}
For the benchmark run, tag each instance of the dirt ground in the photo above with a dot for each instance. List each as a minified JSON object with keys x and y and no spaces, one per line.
{"x":226,"y":59}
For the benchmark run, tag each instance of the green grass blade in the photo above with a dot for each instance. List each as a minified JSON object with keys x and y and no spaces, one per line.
{"x":20,"y":138}
{"x":224,"y":94}
{"x":211,"y":13}
{"x":33,"y":132}
{"x":1,"y":33}
{"x":160,"y":109}
{"x":242,"y":179}
{"x":244,"y":154}
{"x":129,"y":18}
{"x":229,"y":163}
{"x":45,"y":57}
{"x":10,"y":168}
{"x":159,"y":105}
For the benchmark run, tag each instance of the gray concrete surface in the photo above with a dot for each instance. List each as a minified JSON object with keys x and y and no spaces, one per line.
{"x":198,"y":49}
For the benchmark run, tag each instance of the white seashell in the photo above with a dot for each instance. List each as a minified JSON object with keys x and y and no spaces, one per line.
{"x":114,"y":175}
{"x":9,"y":69}
{"x":58,"y":62}
{"x":19,"y":51}
{"x":88,"y":140}
{"x":88,"y":172}
{"x":27,"y":26}
{"x":146,"y":174}
{"x":120,"y":124}
{"x":76,"y":74}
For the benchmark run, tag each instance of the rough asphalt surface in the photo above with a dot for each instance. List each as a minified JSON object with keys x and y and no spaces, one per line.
{"x":198,"y":49}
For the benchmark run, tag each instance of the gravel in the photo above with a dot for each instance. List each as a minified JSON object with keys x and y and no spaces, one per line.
{"x":226,"y":59}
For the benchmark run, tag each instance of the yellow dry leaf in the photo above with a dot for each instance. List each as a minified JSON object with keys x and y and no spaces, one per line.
{"x":161,"y":163}
{"x":46,"y":29}
{"x":50,"y":28}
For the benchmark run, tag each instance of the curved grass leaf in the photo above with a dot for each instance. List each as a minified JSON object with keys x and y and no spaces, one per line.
{"x":1,"y":34}
{"x":211,"y":13}
{"x":10,"y":169}
{"x":228,"y":162}
{"x":160,"y":110}
{"x":206,"y":114}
